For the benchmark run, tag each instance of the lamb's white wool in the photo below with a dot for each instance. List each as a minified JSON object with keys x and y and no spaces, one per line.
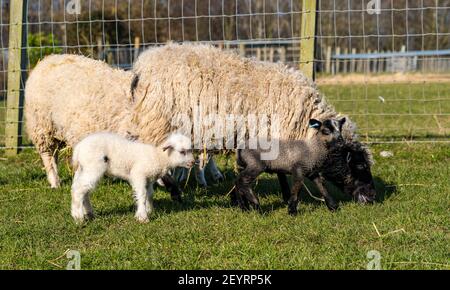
{"x":140,"y":164}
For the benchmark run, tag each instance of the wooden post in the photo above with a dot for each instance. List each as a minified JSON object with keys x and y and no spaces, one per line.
{"x":345,"y":61}
{"x":258,"y":53}
{"x":99,"y":48}
{"x":338,"y":62}
{"x":242,"y":49}
{"x":328,"y":60}
{"x":16,"y":73}
{"x":368,"y":61}
{"x":282,"y":54}
{"x":353,"y":61}
{"x":271,"y":53}
{"x":137,"y":45}
{"x":308,"y":37}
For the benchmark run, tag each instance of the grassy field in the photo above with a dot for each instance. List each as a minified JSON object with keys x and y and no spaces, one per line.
{"x":409,"y":225}
{"x":408,"y":112}
{"x":206,"y":233}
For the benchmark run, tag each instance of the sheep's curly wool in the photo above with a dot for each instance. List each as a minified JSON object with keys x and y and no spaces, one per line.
{"x":189,"y":75}
{"x":68,"y":97}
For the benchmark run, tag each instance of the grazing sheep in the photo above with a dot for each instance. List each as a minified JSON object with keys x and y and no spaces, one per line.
{"x":140,"y":164}
{"x":224,"y":83}
{"x":68,"y":97}
{"x":300,"y":158}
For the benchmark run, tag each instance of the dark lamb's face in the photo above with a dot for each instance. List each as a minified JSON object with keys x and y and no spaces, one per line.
{"x":360,"y":182}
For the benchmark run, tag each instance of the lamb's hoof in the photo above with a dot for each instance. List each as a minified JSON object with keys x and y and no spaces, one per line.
{"x":90,"y":216}
{"x":79,"y":220}
{"x":55,"y":186}
{"x":142,"y":219}
{"x":292,"y":210}
{"x":332,"y":205}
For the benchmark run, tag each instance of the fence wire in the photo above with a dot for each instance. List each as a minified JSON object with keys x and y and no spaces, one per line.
{"x":385,"y":63}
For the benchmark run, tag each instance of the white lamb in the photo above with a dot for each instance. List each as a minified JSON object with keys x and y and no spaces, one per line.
{"x":140,"y":164}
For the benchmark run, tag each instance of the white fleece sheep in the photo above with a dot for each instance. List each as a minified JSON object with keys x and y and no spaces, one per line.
{"x":140,"y":164}
{"x":68,"y":97}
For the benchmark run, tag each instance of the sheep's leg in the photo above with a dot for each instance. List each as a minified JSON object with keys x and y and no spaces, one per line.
{"x":200,"y":176}
{"x":199,"y":170}
{"x":244,"y":192}
{"x":172,"y":187}
{"x":215,"y":172}
{"x":149,"y":205}
{"x":180,"y":174}
{"x":49,"y":159}
{"x":83,"y":183}
{"x":293,"y":200}
{"x":284,"y":184}
{"x":329,"y":200}
{"x":139,"y":184}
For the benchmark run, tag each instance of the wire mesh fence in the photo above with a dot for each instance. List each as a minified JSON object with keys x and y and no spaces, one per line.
{"x":385,"y":63}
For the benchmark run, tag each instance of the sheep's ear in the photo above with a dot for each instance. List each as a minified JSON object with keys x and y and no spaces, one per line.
{"x":342,"y":122}
{"x":315,"y":124}
{"x":167,"y":147}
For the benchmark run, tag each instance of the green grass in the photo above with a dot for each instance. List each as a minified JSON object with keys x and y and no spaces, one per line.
{"x":410,"y":111}
{"x":206,"y":233}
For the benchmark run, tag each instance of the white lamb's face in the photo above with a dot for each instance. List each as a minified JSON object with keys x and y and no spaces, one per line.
{"x":183,"y":158}
{"x":180,"y":151}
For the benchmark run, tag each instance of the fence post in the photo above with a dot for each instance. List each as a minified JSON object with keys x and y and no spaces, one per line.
{"x":328,"y":60}
{"x":137,"y":46}
{"x":16,"y":74}
{"x":308,"y":37}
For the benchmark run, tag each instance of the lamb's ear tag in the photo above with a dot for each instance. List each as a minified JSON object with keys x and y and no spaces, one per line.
{"x":315,"y":124}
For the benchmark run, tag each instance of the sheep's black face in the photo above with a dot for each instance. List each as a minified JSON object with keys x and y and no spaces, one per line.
{"x":349,"y":168}
{"x":360,"y":184}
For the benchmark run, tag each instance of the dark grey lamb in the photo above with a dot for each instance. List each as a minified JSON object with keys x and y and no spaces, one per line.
{"x":300,"y":158}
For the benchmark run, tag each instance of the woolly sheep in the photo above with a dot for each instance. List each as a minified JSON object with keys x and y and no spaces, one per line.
{"x":68,"y":97}
{"x":300,"y":158}
{"x":224,"y":83}
{"x":140,"y":164}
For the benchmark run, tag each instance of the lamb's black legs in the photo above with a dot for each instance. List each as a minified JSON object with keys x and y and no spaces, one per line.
{"x":329,"y":200}
{"x":293,"y":200}
{"x":318,"y":181}
{"x":286,"y":191}
{"x":243,"y":194}
{"x":171,"y":186}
